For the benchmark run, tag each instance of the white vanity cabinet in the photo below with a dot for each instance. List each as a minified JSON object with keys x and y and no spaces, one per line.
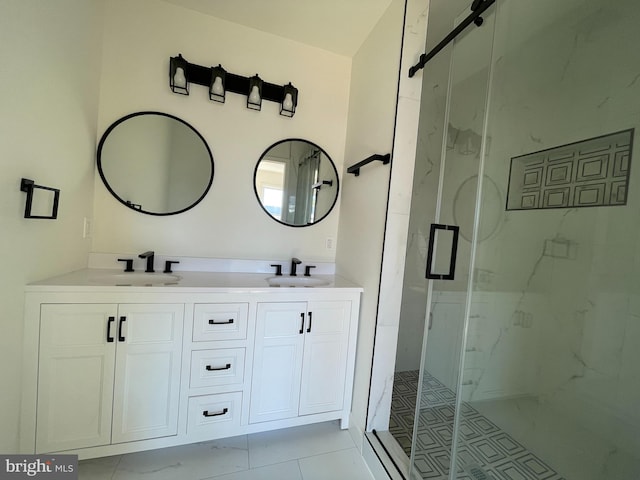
{"x":110,"y":369}
{"x":218,"y":372}
{"x":300,"y":359}
{"x":107,"y":374}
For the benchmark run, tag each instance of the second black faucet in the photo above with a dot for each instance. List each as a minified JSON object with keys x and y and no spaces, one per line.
{"x":294,"y":263}
{"x":150,"y":255}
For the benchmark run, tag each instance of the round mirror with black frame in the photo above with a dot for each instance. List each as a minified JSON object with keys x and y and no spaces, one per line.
{"x":296,"y":182}
{"x":155,"y":163}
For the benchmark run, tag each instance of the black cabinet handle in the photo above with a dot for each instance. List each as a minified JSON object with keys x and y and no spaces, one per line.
{"x":120,"y":336}
{"x":226,"y":322}
{"x":301,"y":324}
{"x":454,"y":252}
{"x":109,"y":323}
{"x":207,"y":414}
{"x":310,"y":319}
{"x":212,"y":369}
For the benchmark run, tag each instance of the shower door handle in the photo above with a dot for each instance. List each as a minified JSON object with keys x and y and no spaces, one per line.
{"x":454,"y":252}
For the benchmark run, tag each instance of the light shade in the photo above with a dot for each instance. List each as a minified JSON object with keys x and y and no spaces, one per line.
{"x":254,"y":95}
{"x":218,"y":86}
{"x":178,"y":75}
{"x":289,"y":100}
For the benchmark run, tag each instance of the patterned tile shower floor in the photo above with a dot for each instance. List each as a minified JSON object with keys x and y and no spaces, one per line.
{"x":485,"y":452}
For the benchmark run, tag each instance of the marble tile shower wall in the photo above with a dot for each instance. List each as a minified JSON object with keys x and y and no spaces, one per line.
{"x":556,"y":313}
{"x":576,"y":270}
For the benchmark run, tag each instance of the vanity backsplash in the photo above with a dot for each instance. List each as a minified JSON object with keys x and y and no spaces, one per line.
{"x":202,"y":264}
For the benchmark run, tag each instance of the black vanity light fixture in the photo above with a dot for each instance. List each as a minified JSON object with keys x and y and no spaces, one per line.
{"x":217,"y":87}
{"x":178,"y":80}
{"x":254,"y":94}
{"x":289,"y":100}
{"x":219,"y":81}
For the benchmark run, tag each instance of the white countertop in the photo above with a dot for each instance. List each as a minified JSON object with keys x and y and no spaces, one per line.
{"x":93,"y":279}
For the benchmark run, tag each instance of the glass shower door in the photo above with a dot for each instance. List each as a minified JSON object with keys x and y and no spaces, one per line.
{"x":529,"y":367}
{"x":550,"y":385}
{"x":448,"y":242}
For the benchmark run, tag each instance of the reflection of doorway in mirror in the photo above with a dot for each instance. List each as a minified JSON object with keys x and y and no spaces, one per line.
{"x":272,"y":201}
{"x":270,"y":186}
{"x":306,"y":195}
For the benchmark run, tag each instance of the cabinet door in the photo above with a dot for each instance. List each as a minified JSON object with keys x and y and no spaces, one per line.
{"x":75,"y":378}
{"x":147,"y":377}
{"x":275,"y":387}
{"x":324,"y":365}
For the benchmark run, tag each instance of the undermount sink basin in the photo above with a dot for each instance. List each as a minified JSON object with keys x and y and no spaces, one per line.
{"x":134,"y":279}
{"x":285,"y":281}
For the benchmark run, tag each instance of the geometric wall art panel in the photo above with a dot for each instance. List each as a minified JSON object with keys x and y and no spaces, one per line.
{"x":590,"y":173}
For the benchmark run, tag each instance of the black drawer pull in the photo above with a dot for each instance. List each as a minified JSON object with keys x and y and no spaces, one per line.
{"x":120,"y":336}
{"x":109,"y":323}
{"x":301,"y":324}
{"x":213,"y":322}
{"x":207,"y":414}
{"x":211,"y":369}
{"x":310,"y":320}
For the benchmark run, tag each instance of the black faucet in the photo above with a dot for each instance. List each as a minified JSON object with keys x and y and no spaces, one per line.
{"x":278,"y":268}
{"x":167,"y":265}
{"x":150,"y":257}
{"x":129,"y":263}
{"x":294,"y":262}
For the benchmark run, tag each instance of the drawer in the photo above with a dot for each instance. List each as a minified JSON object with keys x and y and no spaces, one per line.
{"x":211,"y":368}
{"x":214,"y":414}
{"x":220,"y":321}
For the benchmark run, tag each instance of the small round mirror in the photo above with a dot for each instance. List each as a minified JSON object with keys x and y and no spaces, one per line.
{"x":155,"y":163}
{"x":296,"y":182}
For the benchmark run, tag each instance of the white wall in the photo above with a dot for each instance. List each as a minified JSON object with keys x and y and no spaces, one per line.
{"x":48,"y":91}
{"x":139,"y":39}
{"x":372,"y":106}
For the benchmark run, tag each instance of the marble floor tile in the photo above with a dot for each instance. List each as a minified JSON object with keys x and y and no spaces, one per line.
{"x":279,"y":471}
{"x":186,"y":462}
{"x":298,"y":442}
{"x":343,"y":464}
{"x":311,"y":452}
{"x":98,"y":468}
